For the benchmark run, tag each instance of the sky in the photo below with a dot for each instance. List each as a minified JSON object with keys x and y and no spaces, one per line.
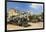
{"x":33,"y":7}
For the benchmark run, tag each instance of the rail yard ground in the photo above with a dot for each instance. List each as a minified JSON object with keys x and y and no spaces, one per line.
{"x":32,"y":26}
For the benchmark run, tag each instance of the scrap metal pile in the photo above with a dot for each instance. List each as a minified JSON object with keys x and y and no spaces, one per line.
{"x":21,"y":20}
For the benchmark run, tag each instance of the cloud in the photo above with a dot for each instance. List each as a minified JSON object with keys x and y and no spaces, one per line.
{"x":36,"y":8}
{"x":34,"y":5}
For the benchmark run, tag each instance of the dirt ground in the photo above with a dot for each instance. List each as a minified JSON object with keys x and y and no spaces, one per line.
{"x":33,"y":26}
